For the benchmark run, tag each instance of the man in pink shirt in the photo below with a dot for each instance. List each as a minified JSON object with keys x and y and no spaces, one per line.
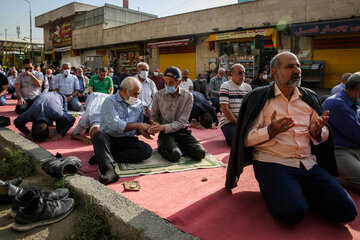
{"x":280,"y":131}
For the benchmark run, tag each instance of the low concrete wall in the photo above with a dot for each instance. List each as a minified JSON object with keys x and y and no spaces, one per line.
{"x":126,"y":218}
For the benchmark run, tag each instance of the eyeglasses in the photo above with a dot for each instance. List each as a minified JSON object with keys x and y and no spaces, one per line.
{"x":241,"y":72}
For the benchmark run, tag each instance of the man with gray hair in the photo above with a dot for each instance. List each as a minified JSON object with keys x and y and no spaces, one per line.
{"x":148,"y":87}
{"x":231,"y":95}
{"x":122,"y":116}
{"x":214,"y":87}
{"x":340,"y":86}
{"x":345,"y":127}
{"x":68,"y":85}
{"x":281,"y":130}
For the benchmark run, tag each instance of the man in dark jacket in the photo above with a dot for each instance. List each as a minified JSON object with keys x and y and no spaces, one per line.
{"x":281,"y":131}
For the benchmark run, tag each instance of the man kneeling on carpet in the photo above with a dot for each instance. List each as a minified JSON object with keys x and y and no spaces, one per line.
{"x":282,"y":130}
{"x":170,"y":114}
{"x":91,"y":118}
{"x":47,"y":108}
{"x":122,"y":116}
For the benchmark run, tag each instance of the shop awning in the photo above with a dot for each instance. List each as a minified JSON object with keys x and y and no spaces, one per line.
{"x":244,"y":34}
{"x":171,"y":43}
{"x":326,"y":27}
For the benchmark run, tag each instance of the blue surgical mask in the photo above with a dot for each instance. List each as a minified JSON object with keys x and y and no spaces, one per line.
{"x":170,"y":89}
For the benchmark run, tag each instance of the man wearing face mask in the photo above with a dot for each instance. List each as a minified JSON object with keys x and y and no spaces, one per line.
{"x":83,"y":85}
{"x":115,"y":80}
{"x":158,"y":79}
{"x":261,"y":80}
{"x":68,"y":85}
{"x":186,"y":82}
{"x":148,"y":87}
{"x":101,"y":82}
{"x":345,"y":127}
{"x":27,"y":86}
{"x":170,"y":116}
{"x":122,"y":116}
{"x":50,"y":77}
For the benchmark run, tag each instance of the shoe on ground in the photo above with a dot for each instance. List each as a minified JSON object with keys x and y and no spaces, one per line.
{"x":42,"y":212}
{"x":28,"y":194}
{"x":59,"y":167}
{"x":109,"y":176}
{"x":92,"y":160}
{"x":5,"y":198}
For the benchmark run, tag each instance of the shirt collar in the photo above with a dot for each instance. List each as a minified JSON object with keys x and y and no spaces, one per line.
{"x":118,"y":97}
{"x":138,"y":78}
{"x":296,"y":94}
{"x":346,"y":98}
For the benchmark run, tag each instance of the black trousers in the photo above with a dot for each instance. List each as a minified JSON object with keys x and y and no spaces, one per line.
{"x":169,"y":145}
{"x":109,"y":149}
{"x":20,"y":109}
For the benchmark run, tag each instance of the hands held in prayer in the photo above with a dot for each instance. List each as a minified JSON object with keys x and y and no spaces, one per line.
{"x":318,"y":124}
{"x":280,"y":125}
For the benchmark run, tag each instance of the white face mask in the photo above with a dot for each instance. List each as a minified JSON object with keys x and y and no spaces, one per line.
{"x":156,"y":74}
{"x":48,"y":75}
{"x":265,"y":77}
{"x":66,"y":72}
{"x":111,"y":74}
{"x":131,"y":100}
{"x":22,"y":70}
{"x":143,"y":74}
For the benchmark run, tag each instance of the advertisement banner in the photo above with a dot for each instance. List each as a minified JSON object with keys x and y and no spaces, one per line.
{"x":322,"y":28}
{"x":61,"y":34}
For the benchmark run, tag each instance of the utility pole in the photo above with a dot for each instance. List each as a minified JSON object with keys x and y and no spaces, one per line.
{"x":18,"y":31}
{"x":31,"y":46}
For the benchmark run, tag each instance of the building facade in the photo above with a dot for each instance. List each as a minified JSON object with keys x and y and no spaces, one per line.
{"x":202,"y":41}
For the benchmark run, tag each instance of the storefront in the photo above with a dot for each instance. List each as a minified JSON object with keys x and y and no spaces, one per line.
{"x":242,"y":47}
{"x":335,"y":42}
{"x":125,"y":57}
{"x":180,"y":53}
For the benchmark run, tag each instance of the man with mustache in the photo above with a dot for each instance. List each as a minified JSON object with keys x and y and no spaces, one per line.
{"x":282,"y":130}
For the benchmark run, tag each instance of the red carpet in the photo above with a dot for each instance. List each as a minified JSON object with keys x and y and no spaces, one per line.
{"x":206,"y":209}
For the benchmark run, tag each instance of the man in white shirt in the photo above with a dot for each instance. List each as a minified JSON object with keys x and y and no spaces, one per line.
{"x":186,"y":82}
{"x":11,"y":83}
{"x":148,"y":87}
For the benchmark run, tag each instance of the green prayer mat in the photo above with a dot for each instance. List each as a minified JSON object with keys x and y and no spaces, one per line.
{"x":157,"y":164}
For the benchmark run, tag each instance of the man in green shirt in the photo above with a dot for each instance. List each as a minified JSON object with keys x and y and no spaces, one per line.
{"x":101,"y":83}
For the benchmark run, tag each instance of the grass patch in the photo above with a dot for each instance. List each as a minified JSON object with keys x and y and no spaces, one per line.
{"x":14,"y":163}
{"x":92,"y":224}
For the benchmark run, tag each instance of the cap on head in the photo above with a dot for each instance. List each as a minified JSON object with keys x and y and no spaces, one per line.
{"x":174,"y":71}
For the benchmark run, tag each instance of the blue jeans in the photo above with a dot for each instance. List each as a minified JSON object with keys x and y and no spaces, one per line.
{"x":228,"y":131}
{"x":3,"y":100}
{"x":74,"y":105}
{"x":11,"y":90}
{"x":289,"y":192}
{"x":216,"y":104}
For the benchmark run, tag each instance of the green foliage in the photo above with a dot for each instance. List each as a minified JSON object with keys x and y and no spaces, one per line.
{"x":92,"y":224}
{"x":14,"y":163}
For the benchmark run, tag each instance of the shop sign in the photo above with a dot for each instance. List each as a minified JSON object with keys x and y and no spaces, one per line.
{"x":63,"y":49}
{"x":332,"y":27}
{"x":243,"y":34}
{"x":61,"y":34}
{"x":173,"y":43}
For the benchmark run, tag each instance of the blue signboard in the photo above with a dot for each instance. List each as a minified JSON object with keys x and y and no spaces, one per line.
{"x":325,"y":27}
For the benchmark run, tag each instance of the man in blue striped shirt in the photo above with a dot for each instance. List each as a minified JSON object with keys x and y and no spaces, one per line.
{"x":122,"y":116}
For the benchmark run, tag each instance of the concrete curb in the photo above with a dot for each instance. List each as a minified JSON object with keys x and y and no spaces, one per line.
{"x":126,"y":218}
